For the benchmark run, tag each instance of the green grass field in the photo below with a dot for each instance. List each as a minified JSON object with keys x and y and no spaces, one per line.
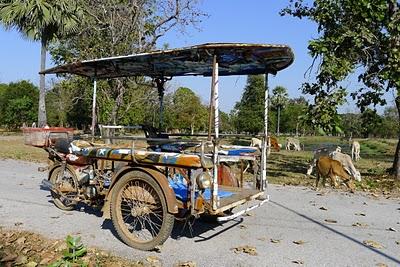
{"x":284,"y":167}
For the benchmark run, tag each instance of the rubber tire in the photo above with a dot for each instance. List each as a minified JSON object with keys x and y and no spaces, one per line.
{"x":53,"y":178}
{"x":168,"y":219}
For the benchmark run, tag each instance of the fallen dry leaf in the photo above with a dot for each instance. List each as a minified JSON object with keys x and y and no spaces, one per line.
{"x":298,"y":262}
{"x":9,"y":257}
{"x":186,"y":264}
{"x":299,"y":242}
{"x":248,"y":214}
{"x":31,"y":264}
{"x":275,"y":240}
{"x":391,"y":229}
{"x":20,"y":240}
{"x":330,"y":221}
{"x":153,"y":259}
{"x":381,"y":264}
{"x":360,"y":214}
{"x":242,"y":226}
{"x":21,"y":260}
{"x":18,"y":223}
{"x":372,"y":244}
{"x":246,"y":249}
{"x":323,"y":208}
{"x":358,"y":224}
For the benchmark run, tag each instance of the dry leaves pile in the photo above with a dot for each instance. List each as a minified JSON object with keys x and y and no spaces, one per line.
{"x":30,"y":249}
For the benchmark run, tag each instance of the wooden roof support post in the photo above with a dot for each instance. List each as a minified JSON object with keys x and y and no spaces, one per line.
{"x":214,"y":189}
{"x":94,"y":107}
{"x":263,"y":182}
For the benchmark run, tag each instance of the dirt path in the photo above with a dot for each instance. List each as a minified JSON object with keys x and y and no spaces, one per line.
{"x":322,"y":225}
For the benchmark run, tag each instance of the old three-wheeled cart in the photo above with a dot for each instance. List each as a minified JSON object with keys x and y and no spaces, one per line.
{"x":144,"y":188}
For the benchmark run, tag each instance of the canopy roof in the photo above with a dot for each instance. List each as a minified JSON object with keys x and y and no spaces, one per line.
{"x":233,"y":59}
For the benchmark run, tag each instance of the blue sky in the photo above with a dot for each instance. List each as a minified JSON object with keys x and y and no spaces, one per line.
{"x":250,"y":21}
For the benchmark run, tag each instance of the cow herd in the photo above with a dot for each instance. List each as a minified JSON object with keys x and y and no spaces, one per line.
{"x":332,"y":163}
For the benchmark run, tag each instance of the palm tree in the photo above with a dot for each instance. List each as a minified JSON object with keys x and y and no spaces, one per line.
{"x":44,"y":21}
{"x":279,"y":99}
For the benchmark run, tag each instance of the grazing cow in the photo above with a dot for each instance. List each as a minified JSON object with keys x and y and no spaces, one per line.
{"x":332,"y":168}
{"x":355,"y":150}
{"x":290,"y":141}
{"x":272,"y":142}
{"x":319,"y":153}
{"x":347,"y":164}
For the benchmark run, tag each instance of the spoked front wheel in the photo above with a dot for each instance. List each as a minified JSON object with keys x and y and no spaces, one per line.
{"x":139,"y":211}
{"x":66,"y":184}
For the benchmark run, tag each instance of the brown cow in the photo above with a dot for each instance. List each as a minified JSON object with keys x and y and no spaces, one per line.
{"x":272,"y":142}
{"x":332,"y":168}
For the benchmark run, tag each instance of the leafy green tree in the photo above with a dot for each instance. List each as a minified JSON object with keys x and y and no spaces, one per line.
{"x":370,"y":122}
{"x":68,"y":103}
{"x":390,"y":123}
{"x":278,"y":100}
{"x":249,"y":114}
{"x":351,"y":124}
{"x":43,"y":20}
{"x":355,"y":37}
{"x":186,"y":110}
{"x":292,"y":116}
{"x":18,"y":104}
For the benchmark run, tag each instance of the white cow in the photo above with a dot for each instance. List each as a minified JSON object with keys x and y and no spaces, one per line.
{"x":347,"y":164}
{"x":319,"y":153}
{"x":255,"y":142}
{"x":355,"y":150}
{"x":290,"y":141}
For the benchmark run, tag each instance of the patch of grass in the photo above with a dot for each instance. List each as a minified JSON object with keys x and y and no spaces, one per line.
{"x":13,"y":147}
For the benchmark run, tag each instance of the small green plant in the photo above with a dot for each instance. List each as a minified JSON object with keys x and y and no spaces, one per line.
{"x":72,"y":255}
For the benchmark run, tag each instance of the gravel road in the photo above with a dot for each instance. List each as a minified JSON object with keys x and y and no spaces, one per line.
{"x":321,"y":223}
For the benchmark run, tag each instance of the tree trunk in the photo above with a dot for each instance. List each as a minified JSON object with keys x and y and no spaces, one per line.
{"x":42,"y":119}
{"x":396,"y":162}
{"x":279,"y":120}
{"x":118,"y":102}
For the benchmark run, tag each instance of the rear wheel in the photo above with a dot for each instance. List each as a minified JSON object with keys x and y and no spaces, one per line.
{"x":66,"y":184}
{"x":139,"y":211}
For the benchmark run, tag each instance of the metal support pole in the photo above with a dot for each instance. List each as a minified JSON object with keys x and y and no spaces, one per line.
{"x":215,"y":200}
{"x":265,"y":139}
{"x":210,"y":115}
{"x":94,"y":107}
{"x":160,"y":87}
